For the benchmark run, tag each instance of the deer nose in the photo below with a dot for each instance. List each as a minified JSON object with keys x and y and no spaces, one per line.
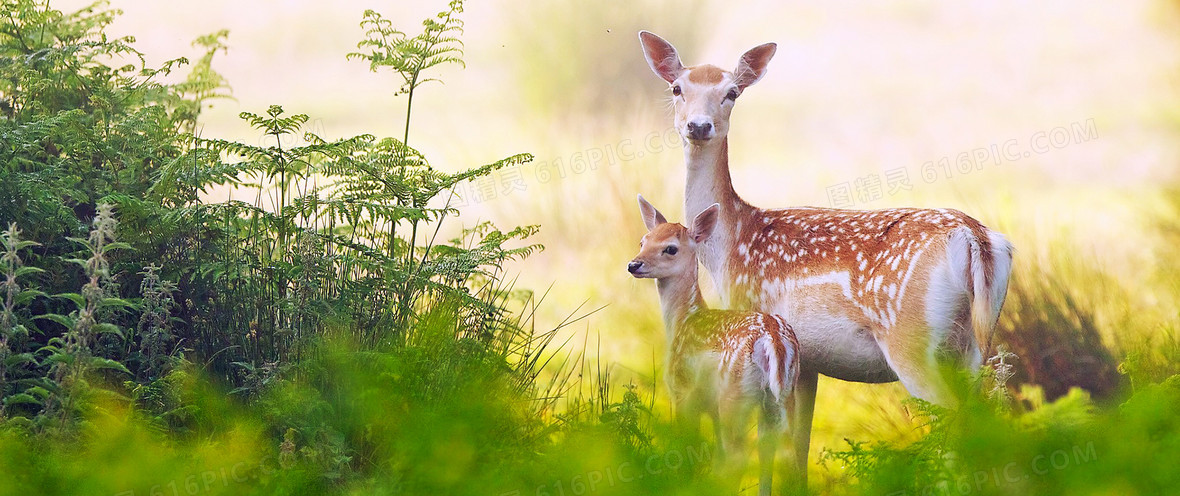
{"x":634,"y":266}
{"x":699,"y":129}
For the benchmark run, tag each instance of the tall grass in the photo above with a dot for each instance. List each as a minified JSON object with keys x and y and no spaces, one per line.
{"x":1054,"y":333}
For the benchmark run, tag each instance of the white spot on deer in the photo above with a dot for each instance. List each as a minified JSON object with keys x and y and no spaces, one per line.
{"x":908,"y":274}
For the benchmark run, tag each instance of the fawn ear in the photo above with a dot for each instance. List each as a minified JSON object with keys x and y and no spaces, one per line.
{"x":752,"y":65}
{"x":651,"y":216}
{"x":703,"y":224}
{"x":661,"y":56}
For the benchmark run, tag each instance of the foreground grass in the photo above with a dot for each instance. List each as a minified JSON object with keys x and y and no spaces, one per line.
{"x":393,"y":421}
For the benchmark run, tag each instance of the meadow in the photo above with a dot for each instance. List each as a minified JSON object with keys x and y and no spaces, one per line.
{"x":311,"y":311}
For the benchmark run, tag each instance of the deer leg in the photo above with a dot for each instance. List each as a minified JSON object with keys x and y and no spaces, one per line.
{"x":771,"y":427}
{"x":919,"y":367}
{"x":683,"y":414}
{"x":718,"y":434}
{"x":800,"y":422}
{"x":732,"y":426}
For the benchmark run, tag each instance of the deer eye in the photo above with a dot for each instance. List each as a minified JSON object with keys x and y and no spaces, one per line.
{"x":671,"y":250}
{"x":732,"y":95}
{"x":676,"y":90}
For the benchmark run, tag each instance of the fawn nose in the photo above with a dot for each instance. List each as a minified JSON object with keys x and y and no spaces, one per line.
{"x":700,"y":129}
{"x":634,"y":266}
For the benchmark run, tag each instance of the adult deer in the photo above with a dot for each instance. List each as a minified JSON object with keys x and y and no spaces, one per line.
{"x":724,"y":363}
{"x":874,"y":296}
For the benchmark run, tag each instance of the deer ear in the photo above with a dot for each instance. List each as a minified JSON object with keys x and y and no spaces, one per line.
{"x":752,"y":65}
{"x":704,"y":223}
{"x":661,"y":56}
{"x":651,"y":216}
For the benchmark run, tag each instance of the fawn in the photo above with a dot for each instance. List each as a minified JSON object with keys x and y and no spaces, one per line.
{"x":723,"y":363}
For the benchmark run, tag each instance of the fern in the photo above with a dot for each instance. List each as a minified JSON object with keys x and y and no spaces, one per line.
{"x":409,"y":57}
{"x":331,"y":234}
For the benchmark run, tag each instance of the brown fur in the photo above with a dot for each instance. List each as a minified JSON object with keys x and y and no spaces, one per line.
{"x":705,"y":74}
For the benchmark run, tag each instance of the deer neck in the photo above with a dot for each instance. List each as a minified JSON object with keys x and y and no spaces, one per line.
{"x":708,"y":182}
{"x":680,"y":297}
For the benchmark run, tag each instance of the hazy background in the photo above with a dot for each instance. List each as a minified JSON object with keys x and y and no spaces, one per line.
{"x":856,"y":90}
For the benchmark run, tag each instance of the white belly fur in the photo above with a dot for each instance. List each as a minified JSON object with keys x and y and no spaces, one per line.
{"x":833,"y":343}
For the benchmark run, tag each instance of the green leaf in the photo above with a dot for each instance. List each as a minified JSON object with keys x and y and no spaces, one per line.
{"x":39,"y":391}
{"x":78,"y":299}
{"x":28,"y":270}
{"x":60,"y":358}
{"x":20,"y":359}
{"x":21,"y":399}
{"x":107,"y":363}
{"x":118,"y":245}
{"x":81,"y":262}
{"x":65,"y":320}
{"x":26,"y":296}
{"x":20,"y":245}
{"x":107,"y":328}
{"x":116,"y":302}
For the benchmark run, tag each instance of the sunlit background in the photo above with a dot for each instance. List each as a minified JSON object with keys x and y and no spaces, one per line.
{"x":1068,"y":114}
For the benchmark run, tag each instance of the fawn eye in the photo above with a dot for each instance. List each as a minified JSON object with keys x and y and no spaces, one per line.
{"x":732,"y":95}
{"x":671,"y":250}
{"x":676,"y":90}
